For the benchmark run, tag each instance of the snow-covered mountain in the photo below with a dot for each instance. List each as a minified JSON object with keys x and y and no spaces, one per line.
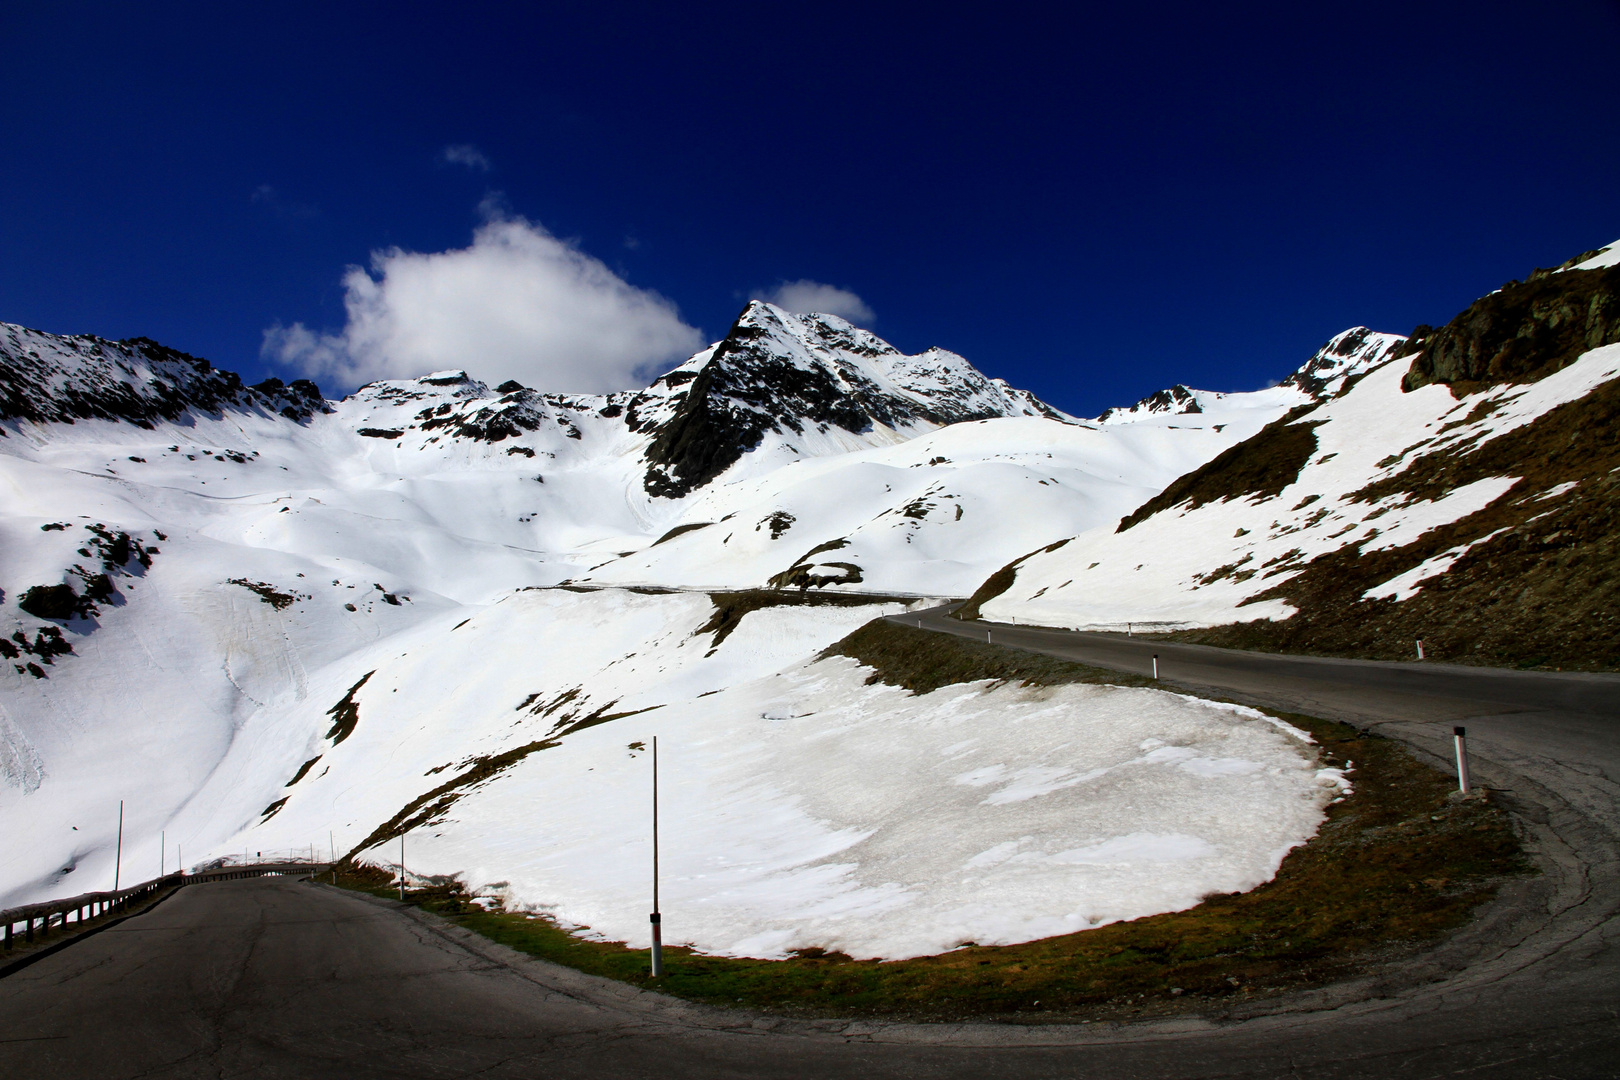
{"x":1344,"y":358}
{"x":257,"y":616}
{"x":1461,"y":490}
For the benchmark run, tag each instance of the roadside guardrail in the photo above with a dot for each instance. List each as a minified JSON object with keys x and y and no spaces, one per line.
{"x":75,"y":911}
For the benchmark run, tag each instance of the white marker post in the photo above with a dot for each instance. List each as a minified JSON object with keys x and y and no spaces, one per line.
{"x":1460,"y":735}
{"x":656,"y":918}
{"x":402,"y":867}
{"x":1420,"y":648}
{"x":1155,"y":665}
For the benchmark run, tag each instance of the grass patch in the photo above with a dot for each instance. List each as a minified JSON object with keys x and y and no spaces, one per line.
{"x":1395,"y":866}
{"x":998,"y":583}
{"x":922,"y":661}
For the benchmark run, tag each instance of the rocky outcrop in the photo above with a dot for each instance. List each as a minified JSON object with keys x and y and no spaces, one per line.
{"x":777,"y":372}
{"x":1522,"y":332}
{"x":45,"y":378}
{"x":1345,"y":356}
{"x":1177,"y":400}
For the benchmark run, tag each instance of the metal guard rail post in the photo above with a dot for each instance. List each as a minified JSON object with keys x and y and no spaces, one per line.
{"x":93,"y":905}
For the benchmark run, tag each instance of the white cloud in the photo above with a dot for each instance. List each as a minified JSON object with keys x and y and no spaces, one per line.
{"x":465,"y":154}
{"x":804,"y":296}
{"x":517,"y":304}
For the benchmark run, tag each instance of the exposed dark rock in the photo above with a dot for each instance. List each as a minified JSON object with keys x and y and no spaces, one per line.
{"x":50,"y":379}
{"x":1177,"y":400}
{"x":302,"y":770}
{"x":1523,"y":332}
{"x":1318,"y":373}
{"x":268,"y":593}
{"x":780,"y":522}
{"x":680,"y":529}
{"x":346,"y":713}
{"x":753,"y":385}
{"x":50,"y":601}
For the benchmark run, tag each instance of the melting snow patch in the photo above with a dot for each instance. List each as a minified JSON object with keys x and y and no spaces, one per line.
{"x":1405,"y":586}
{"x":810,"y":809}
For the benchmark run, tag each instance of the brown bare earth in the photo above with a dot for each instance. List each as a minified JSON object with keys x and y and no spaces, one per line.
{"x":1540,"y":594}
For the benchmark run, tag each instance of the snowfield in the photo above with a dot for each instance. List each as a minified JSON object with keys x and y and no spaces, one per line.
{"x":800,"y":808}
{"x":932,"y":516}
{"x":810,"y":809}
{"x":267,"y":623}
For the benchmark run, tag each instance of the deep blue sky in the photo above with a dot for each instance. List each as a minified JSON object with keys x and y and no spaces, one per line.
{"x":1089,"y":205}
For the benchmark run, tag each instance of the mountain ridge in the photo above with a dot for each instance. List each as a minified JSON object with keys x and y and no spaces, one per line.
{"x":1461,"y":491}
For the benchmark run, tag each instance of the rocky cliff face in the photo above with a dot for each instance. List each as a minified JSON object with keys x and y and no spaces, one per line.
{"x":784,"y":373}
{"x":1521,"y":332}
{"x":46,"y":378}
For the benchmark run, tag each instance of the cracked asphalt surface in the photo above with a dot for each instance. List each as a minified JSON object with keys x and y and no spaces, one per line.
{"x":276,"y":978}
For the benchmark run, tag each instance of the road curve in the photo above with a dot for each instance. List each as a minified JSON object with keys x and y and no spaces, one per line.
{"x":274,"y":978}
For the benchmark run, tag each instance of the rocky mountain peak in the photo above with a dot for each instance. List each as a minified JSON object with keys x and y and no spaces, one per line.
{"x":777,"y":372}
{"x":47,"y":378}
{"x":1345,"y":355}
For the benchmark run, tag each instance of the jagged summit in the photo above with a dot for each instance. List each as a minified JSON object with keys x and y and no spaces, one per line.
{"x":47,"y":378}
{"x":1345,"y":356}
{"x":797,"y":375}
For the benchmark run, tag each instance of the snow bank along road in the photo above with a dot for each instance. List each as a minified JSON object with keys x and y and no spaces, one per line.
{"x":274,"y":978}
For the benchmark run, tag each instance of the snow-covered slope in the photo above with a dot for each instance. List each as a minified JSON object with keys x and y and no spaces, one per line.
{"x":801,"y":805}
{"x":934,"y":514}
{"x":257,"y":616}
{"x":1458,"y":492}
{"x":927,"y":517}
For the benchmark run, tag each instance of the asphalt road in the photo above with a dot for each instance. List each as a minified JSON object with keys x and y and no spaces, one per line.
{"x":275,"y":978}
